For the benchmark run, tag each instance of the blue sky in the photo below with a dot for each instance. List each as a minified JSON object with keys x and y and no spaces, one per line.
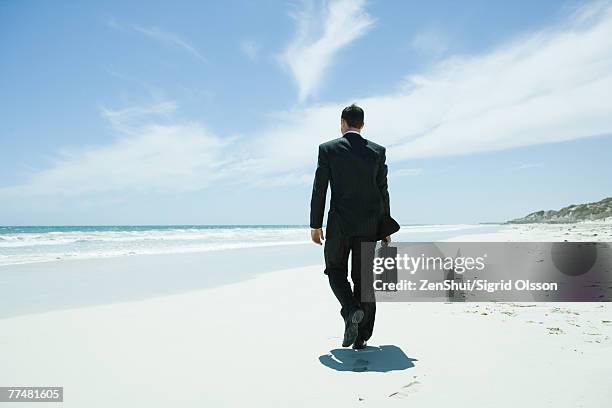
{"x":210,"y":112}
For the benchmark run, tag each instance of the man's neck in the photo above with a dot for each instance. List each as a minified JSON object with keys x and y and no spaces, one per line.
{"x":352,"y":130}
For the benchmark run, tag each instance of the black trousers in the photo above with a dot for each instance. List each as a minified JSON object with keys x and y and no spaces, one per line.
{"x":361,"y":249}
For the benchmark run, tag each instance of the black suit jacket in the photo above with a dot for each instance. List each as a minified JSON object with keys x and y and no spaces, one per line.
{"x":356,"y":170}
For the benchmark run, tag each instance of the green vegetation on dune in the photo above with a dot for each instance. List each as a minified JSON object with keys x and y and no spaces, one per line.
{"x":599,"y":211}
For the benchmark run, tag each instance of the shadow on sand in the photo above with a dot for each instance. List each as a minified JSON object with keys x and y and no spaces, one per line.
{"x":377,"y":359}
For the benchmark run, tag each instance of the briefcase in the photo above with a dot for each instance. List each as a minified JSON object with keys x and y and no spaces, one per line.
{"x":389,"y":275}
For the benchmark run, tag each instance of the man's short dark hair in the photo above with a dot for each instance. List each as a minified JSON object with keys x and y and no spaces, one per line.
{"x":353,"y":115}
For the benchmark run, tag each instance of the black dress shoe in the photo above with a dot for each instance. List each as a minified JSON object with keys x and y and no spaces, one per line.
{"x":351,"y":326}
{"x":359,"y":344}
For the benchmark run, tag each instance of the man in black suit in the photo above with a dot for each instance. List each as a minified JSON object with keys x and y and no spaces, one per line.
{"x":356,"y":170}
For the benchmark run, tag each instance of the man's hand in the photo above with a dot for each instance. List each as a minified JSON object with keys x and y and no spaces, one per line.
{"x":316,"y":234}
{"x":387,"y":239}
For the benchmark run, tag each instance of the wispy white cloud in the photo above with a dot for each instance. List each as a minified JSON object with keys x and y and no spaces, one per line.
{"x":546,"y":86}
{"x":321,"y":34}
{"x":144,"y":157}
{"x":163,"y":37}
{"x":250,"y":48}
{"x":123,"y":119}
{"x":171,"y":40}
{"x":283,"y":180}
{"x":527,"y":166}
{"x":405,"y":173}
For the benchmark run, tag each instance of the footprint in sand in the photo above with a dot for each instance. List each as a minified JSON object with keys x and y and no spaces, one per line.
{"x":407,"y":389}
{"x":554,"y":330}
{"x":360,"y":365}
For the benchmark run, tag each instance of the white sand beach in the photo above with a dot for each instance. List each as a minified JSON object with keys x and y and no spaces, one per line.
{"x":274,"y":340}
{"x":169,"y":169}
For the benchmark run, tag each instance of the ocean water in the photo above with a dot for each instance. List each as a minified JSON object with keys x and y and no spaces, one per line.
{"x":19,"y":245}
